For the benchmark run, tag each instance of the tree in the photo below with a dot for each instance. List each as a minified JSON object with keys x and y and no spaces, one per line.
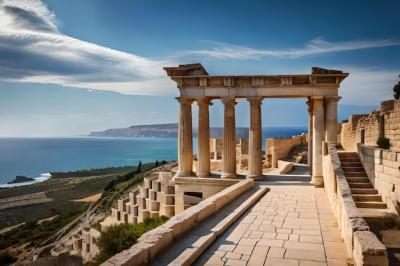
{"x":396,"y":90}
{"x":139,"y":168}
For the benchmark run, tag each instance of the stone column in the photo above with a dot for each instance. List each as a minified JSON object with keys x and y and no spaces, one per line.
{"x":318,"y":137}
{"x":255,"y":135}
{"x":229,"y":149}
{"x":203,"y":137}
{"x":310,"y":133}
{"x":185,"y":146}
{"x":331,"y":117}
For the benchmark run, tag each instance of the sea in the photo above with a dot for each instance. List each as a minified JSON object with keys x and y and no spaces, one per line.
{"x":37,"y":157}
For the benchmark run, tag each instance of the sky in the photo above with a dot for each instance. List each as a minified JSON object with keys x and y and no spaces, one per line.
{"x":71,"y":67}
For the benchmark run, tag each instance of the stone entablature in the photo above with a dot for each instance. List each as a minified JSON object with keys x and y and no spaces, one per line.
{"x":194,"y":84}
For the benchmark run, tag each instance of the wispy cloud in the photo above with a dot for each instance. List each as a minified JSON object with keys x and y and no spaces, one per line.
{"x":32,"y":49}
{"x":316,"y":46}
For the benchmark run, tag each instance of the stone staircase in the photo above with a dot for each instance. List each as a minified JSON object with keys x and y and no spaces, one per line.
{"x":364,"y":194}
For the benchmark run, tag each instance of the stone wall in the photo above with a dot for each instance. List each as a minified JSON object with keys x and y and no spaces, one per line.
{"x":154,"y":241}
{"x":366,"y":128}
{"x":383,"y":170}
{"x":279,"y":148}
{"x":361,"y":133}
{"x":362,"y":245}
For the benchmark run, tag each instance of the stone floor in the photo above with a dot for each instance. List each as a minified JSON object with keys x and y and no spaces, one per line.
{"x":291,"y":225}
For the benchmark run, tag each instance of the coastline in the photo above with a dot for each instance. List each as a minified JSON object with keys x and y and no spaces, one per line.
{"x":41,"y":178}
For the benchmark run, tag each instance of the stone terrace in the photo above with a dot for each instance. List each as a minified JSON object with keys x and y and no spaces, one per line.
{"x":291,"y":225}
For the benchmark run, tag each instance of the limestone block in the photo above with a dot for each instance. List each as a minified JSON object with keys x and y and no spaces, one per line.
{"x":147,"y":183}
{"x":154,"y":205}
{"x":153,"y":195}
{"x":167,"y":210}
{"x":368,"y":250}
{"x":166,"y":199}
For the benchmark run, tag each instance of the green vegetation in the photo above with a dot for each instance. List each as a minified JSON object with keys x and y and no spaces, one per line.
{"x":35,"y":233}
{"x":121,"y":237}
{"x":396,"y":90}
{"x":94,"y":172}
{"x":383,"y":143}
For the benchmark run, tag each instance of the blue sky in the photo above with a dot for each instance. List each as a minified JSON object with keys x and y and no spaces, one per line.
{"x":69,"y":67}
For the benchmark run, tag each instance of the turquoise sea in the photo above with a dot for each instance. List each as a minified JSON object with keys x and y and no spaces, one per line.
{"x":33,"y":157}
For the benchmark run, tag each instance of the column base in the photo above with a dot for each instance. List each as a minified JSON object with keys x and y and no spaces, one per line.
{"x":205,"y":174}
{"x":317,"y":181}
{"x":255,"y":177}
{"x":184,"y":174}
{"x":228,"y":175}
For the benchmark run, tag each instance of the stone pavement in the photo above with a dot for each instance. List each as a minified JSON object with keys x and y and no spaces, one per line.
{"x":291,"y":225}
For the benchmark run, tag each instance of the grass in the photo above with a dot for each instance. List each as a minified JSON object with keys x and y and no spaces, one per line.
{"x":121,"y":237}
{"x":35,"y":233}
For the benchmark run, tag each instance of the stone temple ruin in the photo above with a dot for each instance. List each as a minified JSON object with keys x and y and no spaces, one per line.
{"x":232,"y":205}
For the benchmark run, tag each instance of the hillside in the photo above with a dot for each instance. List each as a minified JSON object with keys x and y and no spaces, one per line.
{"x":160,"y":131}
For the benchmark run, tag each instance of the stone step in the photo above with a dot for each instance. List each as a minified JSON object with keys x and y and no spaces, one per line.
{"x":355,"y":174}
{"x":367,"y":197}
{"x":372,"y":205}
{"x":360,"y":185}
{"x":353,"y":169}
{"x":370,"y":191}
{"x":351,"y":164}
{"x":357,"y":179}
{"x":347,"y":154}
{"x":377,"y":216}
{"x":350,"y":160}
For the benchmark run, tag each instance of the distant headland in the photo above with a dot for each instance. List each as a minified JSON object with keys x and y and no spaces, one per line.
{"x":160,"y":131}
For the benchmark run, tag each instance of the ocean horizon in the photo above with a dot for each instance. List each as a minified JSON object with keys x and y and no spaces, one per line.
{"x":35,"y":156}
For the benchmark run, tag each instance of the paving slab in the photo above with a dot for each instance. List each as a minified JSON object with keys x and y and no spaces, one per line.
{"x":291,"y":225}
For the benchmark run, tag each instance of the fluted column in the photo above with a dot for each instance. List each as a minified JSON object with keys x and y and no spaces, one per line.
{"x":318,"y":137}
{"x":331,"y":117}
{"x":255,"y":135}
{"x":203,"y":138}
{"x":310,"y":133}
{"x":229,"y":149}
{"x":185,"y":146}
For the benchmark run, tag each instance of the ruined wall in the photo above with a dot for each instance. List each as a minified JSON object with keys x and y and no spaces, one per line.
{"x":366,"y":128}
{"x":361,"y":133}
{"x":279,"y":148}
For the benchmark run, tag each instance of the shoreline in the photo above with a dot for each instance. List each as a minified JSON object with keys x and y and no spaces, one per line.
{"x":41,"y":178}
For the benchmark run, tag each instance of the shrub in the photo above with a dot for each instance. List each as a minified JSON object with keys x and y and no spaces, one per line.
{"x":383,"y":143}
{"x":121,"y":237}
{"x":396,"y":91}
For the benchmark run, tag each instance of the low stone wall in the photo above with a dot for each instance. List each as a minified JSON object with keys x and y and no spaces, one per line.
{"x":383,"y":170}
{"x":280,"y":148}
{"x":361,"y":244}
{"x":152,"y":242}
{"x":206,"y":186}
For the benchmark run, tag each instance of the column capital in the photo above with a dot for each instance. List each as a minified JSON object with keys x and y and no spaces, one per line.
{"x":255,"y":100}
{"x":183,"y":100}
{"x":315,"y":98}
{"x":203,"y":101}
{"x":332,"y":99}
{"x":228,"y":101}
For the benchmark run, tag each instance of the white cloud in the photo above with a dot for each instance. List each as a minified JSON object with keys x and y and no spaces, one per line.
{"x":33,"y":50}
{"x":368,"y":86}
{"x":315,"y":46}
